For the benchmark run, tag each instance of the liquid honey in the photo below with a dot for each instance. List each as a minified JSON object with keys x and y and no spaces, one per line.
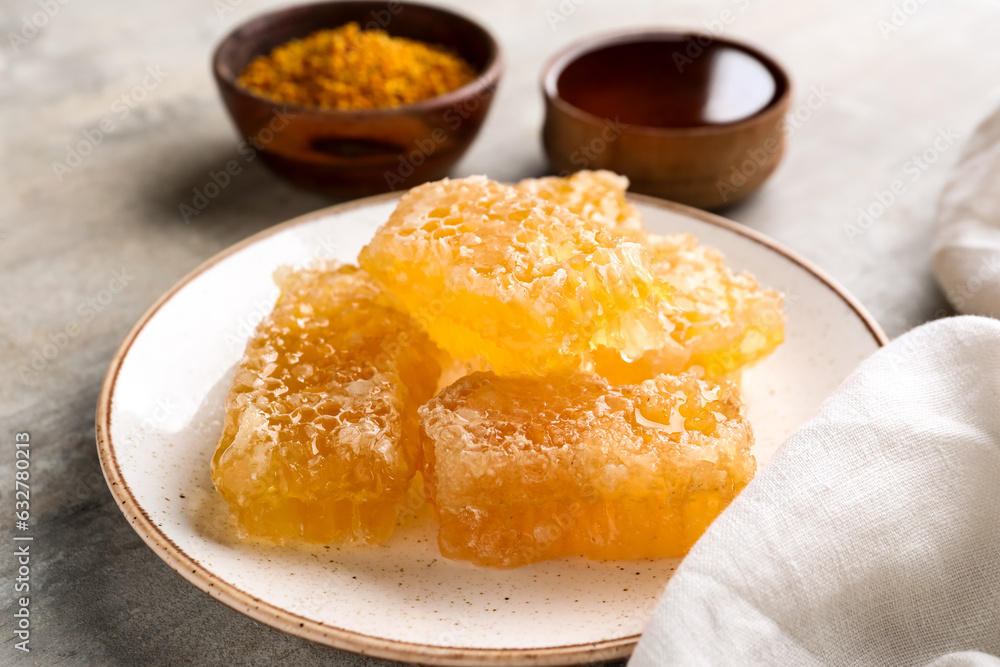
{"x":686,"y":81}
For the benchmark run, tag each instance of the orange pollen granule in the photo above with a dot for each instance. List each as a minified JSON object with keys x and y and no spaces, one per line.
{"x":350,"y":68}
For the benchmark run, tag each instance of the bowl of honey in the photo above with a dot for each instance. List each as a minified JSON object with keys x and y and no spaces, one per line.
{"x":689,"y":117}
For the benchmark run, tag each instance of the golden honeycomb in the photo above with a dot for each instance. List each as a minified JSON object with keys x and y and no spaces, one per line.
{"x":598,"y":196}
{"x":498,"y":275}
{"x":723,"y":321}
{"x":320,"y":442}
{"x":586,"y":441}
{"x":523,"y":469}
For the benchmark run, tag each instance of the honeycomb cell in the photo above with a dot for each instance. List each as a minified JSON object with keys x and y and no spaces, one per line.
{"x":320,"y":441}
{"x":598,"y":196}
{"x":516,"y":282}
{"x":723,"y":322}
{"x":523,"y":469}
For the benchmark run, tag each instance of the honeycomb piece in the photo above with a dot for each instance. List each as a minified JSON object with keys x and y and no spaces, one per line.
{"x":320,"y":441}
{"x":598,"y":196}
{"x":723,"y":322}
{"x":523,"y":469}
{"x":526,"y":286}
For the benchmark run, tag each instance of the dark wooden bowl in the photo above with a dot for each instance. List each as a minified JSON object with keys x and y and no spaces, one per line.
{"x":706,"y":164}
{"x":355,"y":153}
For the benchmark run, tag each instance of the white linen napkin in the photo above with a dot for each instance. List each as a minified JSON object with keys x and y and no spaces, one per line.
{"x":872,"y":537}
{"x":967,"y":239}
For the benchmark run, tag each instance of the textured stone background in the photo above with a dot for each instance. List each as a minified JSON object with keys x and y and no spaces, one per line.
{"x":99,"y":595}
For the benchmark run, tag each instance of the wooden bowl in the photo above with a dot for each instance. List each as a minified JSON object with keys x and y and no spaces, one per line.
{"x":687,"y":117}
{"x":352,"y":153}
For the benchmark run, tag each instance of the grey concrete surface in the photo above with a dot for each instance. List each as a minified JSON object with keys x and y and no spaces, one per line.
{"x":891,"y":81}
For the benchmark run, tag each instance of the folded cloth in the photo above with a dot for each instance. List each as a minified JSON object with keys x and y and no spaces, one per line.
{"x":967,"y":240}
{"x":872,"y":537}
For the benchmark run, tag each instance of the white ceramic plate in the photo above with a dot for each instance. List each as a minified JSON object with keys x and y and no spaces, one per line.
{"x":160,"y":415}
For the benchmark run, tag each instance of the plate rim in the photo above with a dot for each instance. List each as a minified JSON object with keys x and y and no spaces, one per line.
{"x":350,"y":640}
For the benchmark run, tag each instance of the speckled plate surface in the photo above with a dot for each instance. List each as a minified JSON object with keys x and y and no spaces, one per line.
{"x":160,"y":414}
